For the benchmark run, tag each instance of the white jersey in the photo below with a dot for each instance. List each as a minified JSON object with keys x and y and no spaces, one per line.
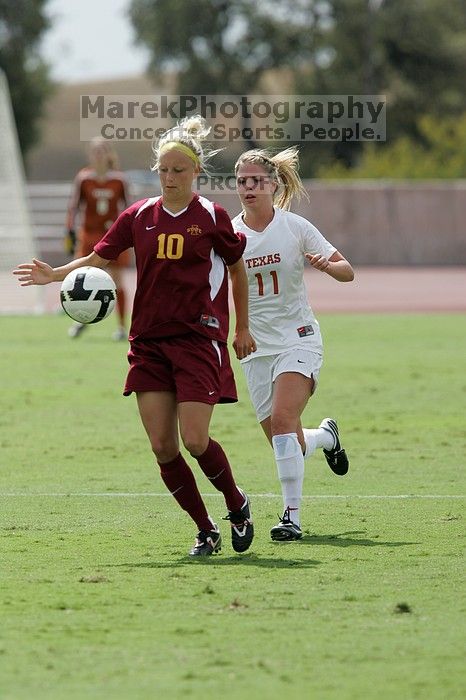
{"x":280,"y":316}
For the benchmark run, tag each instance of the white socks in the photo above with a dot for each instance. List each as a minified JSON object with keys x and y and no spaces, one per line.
{"x":290,"y":466}
{"x":317,"y":437}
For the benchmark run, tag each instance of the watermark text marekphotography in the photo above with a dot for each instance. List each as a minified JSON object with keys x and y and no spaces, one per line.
{"x":237,"y":118}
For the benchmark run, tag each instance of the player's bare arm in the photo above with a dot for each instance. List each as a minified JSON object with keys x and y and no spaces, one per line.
{"x":336,"y":266}
{"x":39,"y":272}
{"x":243,"y":342}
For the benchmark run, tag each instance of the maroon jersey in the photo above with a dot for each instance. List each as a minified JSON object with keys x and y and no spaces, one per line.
{"x":182,"y":280}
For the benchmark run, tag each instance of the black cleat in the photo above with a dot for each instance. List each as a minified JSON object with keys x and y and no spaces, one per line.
{"x":286,"y":530}
{"x":336,"y":457}
{"x":207,"y":542}
{"x":242,"y":529}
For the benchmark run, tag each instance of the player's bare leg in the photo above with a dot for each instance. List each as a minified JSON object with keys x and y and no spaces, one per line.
{"x":159,"y":415}
{"x":325,"y":437}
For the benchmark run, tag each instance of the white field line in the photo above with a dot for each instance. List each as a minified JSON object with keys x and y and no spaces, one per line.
{"x":149,"y":494}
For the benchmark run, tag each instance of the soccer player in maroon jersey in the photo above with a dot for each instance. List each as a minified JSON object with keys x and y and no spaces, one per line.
{"x":179,"y":363}
{"x":99,"y":194}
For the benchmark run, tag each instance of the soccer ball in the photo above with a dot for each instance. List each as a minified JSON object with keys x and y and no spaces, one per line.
{"x":88,"y":294}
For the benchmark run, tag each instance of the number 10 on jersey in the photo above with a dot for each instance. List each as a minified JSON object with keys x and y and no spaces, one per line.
{"x":170,"y":245}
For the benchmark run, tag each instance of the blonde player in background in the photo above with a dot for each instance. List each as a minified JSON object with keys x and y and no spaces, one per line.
{"x":99,"y":195}
{"x":282,"y":374}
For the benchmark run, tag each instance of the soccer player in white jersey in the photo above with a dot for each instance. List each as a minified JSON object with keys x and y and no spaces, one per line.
{"x":282,"y":373}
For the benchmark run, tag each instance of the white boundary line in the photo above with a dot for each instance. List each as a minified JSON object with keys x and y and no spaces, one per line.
{"x":141,"y":494}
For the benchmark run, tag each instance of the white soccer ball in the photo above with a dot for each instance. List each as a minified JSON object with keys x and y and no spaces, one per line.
{"x":88,"y":294}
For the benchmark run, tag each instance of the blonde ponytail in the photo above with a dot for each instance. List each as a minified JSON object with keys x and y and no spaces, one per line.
{"x":190,"y":132}
{"x":281,"y":167}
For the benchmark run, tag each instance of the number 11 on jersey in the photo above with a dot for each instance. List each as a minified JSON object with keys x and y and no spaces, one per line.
{"x":260,"y":282}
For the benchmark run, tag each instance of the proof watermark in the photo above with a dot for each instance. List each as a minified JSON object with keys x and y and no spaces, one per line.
{"x":213,"y":185}
{"x":237,"y":118}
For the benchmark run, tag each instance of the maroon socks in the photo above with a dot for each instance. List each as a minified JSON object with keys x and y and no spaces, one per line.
{"x":179,"y":480}
{"x":215,"y":465}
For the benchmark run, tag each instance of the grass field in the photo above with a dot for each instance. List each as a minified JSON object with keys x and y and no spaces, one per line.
{"x":98,"y":597}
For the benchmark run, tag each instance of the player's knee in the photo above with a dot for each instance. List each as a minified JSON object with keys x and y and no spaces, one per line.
{"x":283,"y":422}
{"x":195,"y":442}
{"x":163,"y":448}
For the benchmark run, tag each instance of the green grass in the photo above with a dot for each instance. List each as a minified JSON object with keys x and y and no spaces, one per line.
{"x":98,"y":598}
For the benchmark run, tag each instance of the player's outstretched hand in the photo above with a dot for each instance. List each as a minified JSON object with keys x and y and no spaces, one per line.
{"x":36,"y":272}
{"x":244,"y":344}
{"x":319,"y":262}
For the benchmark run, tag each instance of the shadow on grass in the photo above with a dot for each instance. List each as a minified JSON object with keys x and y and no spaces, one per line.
{"x":220,"y":560}
{"x":342,"y":539}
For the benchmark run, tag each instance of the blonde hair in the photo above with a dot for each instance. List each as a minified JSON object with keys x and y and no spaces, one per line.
{"x":190,"y":132}
{"x":108,"y":150}
{"x":282,"y":167}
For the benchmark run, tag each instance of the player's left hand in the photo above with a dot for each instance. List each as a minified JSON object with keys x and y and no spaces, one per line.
{"x":319,"y":262}
{"x":244,"y":344}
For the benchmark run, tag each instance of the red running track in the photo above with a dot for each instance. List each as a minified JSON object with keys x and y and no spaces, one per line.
{"x":374,"y":290}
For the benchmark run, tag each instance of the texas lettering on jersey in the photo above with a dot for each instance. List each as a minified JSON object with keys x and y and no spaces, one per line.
{"x":263,"y":260}
{"x":278,"y":304}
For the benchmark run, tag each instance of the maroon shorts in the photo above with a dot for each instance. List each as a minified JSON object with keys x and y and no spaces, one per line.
{"x":192,"y":366}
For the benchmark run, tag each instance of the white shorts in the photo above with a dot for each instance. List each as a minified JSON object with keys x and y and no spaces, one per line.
{"x":262,"y":371}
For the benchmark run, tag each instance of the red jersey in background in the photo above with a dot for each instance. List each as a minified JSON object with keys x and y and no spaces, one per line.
{"x":99,"y":200}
